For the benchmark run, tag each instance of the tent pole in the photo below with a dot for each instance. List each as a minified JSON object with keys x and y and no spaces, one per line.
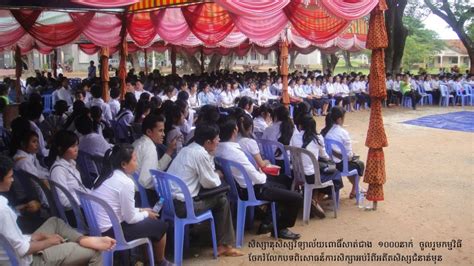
{"x":54,"y":64}
{"x":122,"y":73}
{"x":104,"y":64}
{"x":284,"y":72}
{"x":18,"y":70}
{"x":173,"y":60}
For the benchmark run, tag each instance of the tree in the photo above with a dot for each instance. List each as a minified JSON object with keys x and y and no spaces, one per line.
{"x":459,"y":16}
{"x":421,"y":44}
{"x":329,"y":62}
{"x":397,"y":34}
{"x":293,"y":55}
{"x":214,"y":63}
{"x":347,"y":58}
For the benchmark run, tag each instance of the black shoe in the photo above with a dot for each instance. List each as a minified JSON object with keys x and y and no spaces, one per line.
{"x":287,"y":234}
{"x":265,"y":228}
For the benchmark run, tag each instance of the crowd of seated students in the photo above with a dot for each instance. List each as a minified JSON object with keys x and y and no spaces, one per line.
{"x":178,"y":125}
{"x":413,"y":86}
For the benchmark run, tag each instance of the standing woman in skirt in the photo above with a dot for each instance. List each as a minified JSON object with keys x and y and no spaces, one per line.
{"x":118,"y":189}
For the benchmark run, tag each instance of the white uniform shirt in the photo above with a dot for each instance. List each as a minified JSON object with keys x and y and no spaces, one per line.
{"x":317,"y":149}
{"x":195,"y":166}
{"x":147,"y":159}
{"x":259,"y":124}
{"x":30,"y":164}
{"x":119,"y":193}
{"x":106,"y":112}
{"x":10,"y":230}
{"x":330,"y":88}
{"x":232,"y":151}
{"x":66,"y":174}
{"x":114,"y":107}
{"x":340,"y":134}
{"x":94,"y":144}
{"x":318,"y":91}
{"x":299,"y":91}
{"x":226,"y":99}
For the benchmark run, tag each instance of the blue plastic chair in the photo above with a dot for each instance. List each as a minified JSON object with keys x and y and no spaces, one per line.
{"x":242,"y":205}
{"x":445,"y":96}
{"x":330,"y":143}
{"x":89,"y":204}
{"x":469,"y":92}
{"x":47,"y":103}
{"x":12,"y":256}
{"x":88,"y":168}
{"x":80,"y":221}
{"x":28,"y":180}
{"x":163,"y":188}
{"x":268,"y":149}
{"x":299,"y":175}
{"x":141,"y":190}
{"x":424,"y":96}
{"x":406,"y":101}
{"x":460,"y":96}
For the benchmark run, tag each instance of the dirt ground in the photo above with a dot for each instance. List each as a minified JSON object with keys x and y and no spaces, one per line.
{"x":428,"y":200}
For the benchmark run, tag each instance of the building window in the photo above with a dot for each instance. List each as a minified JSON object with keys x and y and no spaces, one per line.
{"x":265,"y":57}
{"x":453,"y":60}
{"x":240,"y":58}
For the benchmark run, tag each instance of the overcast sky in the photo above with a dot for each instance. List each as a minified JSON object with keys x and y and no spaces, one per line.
{"x":437,"y":24}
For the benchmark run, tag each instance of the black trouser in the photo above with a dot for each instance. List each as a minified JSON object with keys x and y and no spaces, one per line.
{"x":415,"y":97}
{"x":358,"y":165}
{"x":277,"y":188}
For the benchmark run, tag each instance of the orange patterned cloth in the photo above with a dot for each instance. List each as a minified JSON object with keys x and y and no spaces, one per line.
{"x":376,"y":139}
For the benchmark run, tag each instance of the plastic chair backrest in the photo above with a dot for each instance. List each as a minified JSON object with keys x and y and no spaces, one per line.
{"x":329,"y":149}
{"x":141,"y":191}
{"x":296,"y":156}
{"x":268,"y":149}
{"x":444,"y":90}
{"x":87,"y":202}
{"x":467,"y":89}
{"x":163,"y":188}
{"x":47,"y":192}
{"x":75,"y":207}
{"x":227,"y":166}
{"x":47,"y":102}
{"x":251,"y":159}
{"x":12,"y":256}
{"x":87,"y":168}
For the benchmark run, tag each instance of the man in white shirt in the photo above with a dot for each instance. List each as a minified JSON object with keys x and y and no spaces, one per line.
{"x":153,"y":129}
{"x":90,"y":141}
{"x":194,"y":164}
{"x":271,"y":188}
{"x":53,"y":243}
{"x":96,"y":92}
{"x":34,"y":112}
{"x":63,"y":93}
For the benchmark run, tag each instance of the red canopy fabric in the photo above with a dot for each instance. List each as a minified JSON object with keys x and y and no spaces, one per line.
{"x":106,"y":4}
{"x":226,"y":24}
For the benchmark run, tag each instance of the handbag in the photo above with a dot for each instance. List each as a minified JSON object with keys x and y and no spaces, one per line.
{"x":205,"y":193}
{"x":327,"y":167}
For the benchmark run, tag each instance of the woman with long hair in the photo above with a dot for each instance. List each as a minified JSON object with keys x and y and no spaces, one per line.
{"x":117,"y":188}
{"x":335,"y":131}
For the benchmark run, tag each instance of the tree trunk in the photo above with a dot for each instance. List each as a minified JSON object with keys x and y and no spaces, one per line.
{"x":193,"y":63}
{"x":293,"y":54}
{"x":329,"y":62}
{"x":135,"y":62}
{"x":397,"y":35}
{"x":214,"y":63}
{"x":30,"y":63}
{"x":347,"y":58}
{"x":229,"y":61}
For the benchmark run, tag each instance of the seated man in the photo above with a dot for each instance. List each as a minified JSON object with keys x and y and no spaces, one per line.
{"x":194,"y":164}
{"x":90,"y":142}
{"x":54,"y":243}
{"x":153,"y":129}
{"x":271,"y":188}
